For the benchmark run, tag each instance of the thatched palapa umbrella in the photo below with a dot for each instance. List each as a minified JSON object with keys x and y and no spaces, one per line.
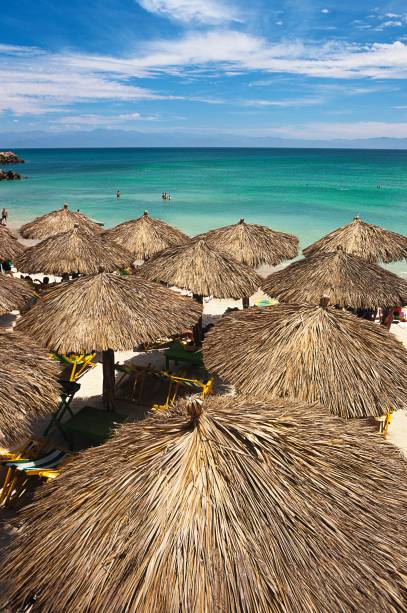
{"x":29,"y":387}
{"x":9,"y":245}
{"x":311,"y":353}
{"x":348,"y":281}
{"x":370,"y":242}
{"x":14,"y":294}
{"x":253,"y":244}
{"x":239,"y":505}
{"x":56,"y":222}
{"x":73,"y":251}
{"x":202,"y":270}
{"x":145,"y":236}
{"x":107,"y":312}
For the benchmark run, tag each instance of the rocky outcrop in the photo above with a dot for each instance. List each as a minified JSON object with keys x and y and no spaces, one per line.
{"x":8,"y":157}
{"x":9,"y":175}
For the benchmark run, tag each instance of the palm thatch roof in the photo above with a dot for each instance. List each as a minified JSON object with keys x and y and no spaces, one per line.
{"x":107,"y":311}
{"x":253,"y":244}
{"x":145,"y":236}
{"x":239,"y":505}
{"x":203,"y":270}
{"x":9,"y":245}
{"x":370,"y":242}
{"x":311,"y":353}
{"x":14,"y":294}
{"x":73,"y":251}
{"x":348,"y":281}
{"x":56,"y":222}
{"x":29,"y":387}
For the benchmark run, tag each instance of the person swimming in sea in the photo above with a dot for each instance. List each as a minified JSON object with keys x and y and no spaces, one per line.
{"x":118,"y":194}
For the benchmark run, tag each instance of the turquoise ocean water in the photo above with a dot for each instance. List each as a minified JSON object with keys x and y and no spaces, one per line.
{"x":304,"y":191}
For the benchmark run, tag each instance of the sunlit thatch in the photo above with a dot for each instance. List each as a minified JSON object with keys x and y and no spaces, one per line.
{"x":14,"y":294}
{"x":311,"y":353}
{"x":253,"y":244}
{"x":29,"y":388}
{"x":56,"y":222}
{"x":348,"y":281}
{"x":242,"y":505}
{"x":73,"y":251}
{"x":9,"y":245}
{"x":370,"y":242}
{"x":202,"y":270}
{"x":145,"y":236}
{"x":107,"y":311}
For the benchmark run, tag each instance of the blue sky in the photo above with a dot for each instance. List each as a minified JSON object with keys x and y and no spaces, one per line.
{"x":187,"y":70}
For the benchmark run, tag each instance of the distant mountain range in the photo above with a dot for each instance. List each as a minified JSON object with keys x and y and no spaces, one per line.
{"x":121,"y":138}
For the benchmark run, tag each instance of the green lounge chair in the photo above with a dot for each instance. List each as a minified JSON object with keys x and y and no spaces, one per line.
{"x":177,"y":353}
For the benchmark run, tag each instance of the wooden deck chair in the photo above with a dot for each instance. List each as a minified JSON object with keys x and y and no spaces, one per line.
{"x":21,"y":470}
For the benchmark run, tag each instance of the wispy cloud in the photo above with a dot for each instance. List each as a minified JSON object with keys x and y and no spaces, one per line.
{"x":201,"y":11}
{"x":39,"y":82}
{"x":348,"y":131}
{"x":289,"y":102}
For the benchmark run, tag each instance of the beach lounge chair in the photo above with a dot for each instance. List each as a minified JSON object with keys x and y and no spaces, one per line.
{"x":69,"y":389}
{"x":76,"y":364}
{"x":19,"y":472}
{"x":91,"y":425}
{"x":178,"y":353}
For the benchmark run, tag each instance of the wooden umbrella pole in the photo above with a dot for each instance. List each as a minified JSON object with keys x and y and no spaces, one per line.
{"x":108,"y":379}
{"x":197,"y":329}
{"x":245,"y":301}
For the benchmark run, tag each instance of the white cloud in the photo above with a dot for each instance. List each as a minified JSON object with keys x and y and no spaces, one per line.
{"x":325,"y":11}
{"x":201,"y":11}
{"x":36,"y":82}
{"x":90,"y":121}
{"x":229,"y":50}
{"x":289,"y":102}
{"x":348,"y":131}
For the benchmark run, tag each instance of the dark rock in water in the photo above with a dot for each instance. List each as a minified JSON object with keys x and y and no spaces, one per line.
{"x":9,"y":175}
{"x":8,"y":157}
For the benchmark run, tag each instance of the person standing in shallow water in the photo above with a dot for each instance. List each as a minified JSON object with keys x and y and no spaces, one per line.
{"x":4,"y":217}
{"x":118,"y":194}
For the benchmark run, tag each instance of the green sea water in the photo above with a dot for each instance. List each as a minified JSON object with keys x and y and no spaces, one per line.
{"x":304,"y":191}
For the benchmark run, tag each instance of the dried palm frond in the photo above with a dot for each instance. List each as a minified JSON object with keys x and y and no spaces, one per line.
{"x":266,"y":506}
{"x":252,"y":244}
{"x":145,"y":236}
{"x":370,"y":242}
{"x":56,"y":222}
{"x":311,"y":353}
{"x":14,"y":294}
{"x":29,"y":387}
{"x":348,"y":281}
{"x":107,"y":311}
{"x":9,"y":245}
{"x":73,"y":251}
{"x":203,"y":270}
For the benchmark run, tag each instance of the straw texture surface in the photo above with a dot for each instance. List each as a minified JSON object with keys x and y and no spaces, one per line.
{"x":14,"y":294}
{"x":9,"y":245}
{"x":348,"y":281}
{"x":145,"y":236}
{"x":204,"y":271}
{"x":370,"y":242}
{"x":107,"y":311}
{"x":253,"y":244}
{"x":29,"y":388}
{"x":74,"y":251}
{"x":264,"y":506}
{"x":352,"y":366}
{"x":56,"y":222}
